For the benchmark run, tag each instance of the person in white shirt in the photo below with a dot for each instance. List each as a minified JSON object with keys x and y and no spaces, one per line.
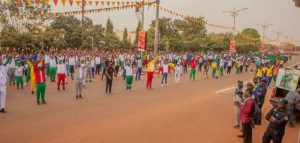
{"x":19,"y":72}
{"x":79,"y":81}
{"x":178,"y":72}
{"x":53,"y":68}
{"x":93,"y":66}
{"x":98,"y":64}
{"x":61,"y":74}
{"x":165,"y":68}
{"x":139,"y":69}
{"x":88,"y":69}
{"x":3,"y":79}
{"x":72,"y":62}
{"x":129,"y":76}
{"x":11,"y":72}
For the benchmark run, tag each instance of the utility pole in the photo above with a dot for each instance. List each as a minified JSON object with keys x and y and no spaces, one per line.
{"x":277,"y":37}
{"x":234,"y":13}
{"x":143,"y":15}
{"x":264,"y":27}
{"x":156,"y":28}
{"x":82,"y":22}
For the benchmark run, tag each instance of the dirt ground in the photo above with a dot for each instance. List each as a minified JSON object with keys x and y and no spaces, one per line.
{"x":189,"y":112}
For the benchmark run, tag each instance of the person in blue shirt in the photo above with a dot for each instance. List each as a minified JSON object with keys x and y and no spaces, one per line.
{"x":260,"y":93}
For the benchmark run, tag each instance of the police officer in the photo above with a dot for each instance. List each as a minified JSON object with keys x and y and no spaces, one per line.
{"x":278,"y":118}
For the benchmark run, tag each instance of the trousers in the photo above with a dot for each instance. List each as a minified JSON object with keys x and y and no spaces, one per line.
{"x":79,"y":86}
{"x":61,"y":79}
{"x":2,"y":96}
{"x":149,"y":79}
{"x":41,"y":88}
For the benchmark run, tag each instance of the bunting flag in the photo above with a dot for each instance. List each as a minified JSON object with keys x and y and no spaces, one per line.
{"x":71,"y":2}
{"x":20,"y":2}
{"x":91,"y":3}
{"x":55,"y":2}
{"x":28,"y":2}
{"x":63,"y":2}
{"x":96,"y":2}
{"x":47,"y":2}
{"x":102,"y":3}
{"x":38,"y":2}
{"x":78,"y":3}
{"x":108,"y":3}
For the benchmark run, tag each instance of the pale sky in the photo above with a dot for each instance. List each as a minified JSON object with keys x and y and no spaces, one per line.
{"x":281,"y":13}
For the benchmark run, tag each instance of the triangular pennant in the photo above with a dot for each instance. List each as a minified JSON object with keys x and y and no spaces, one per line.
{"x":91,"y":2}
{"x":38,"y":2}
{"x":55,"y":2}
{"x":47,"y":2}
{"x":96,"y":2}
{"x":108,"y":3}
{"x":118,"y":3}
{"x":71,"y":2}
{"x":84,"y":3}
{"x":123,"y":3}
{"x":127,"y":3}
{"x":78,"y":3}
{"x":102,"y":3}
{"x":28,"y":1}
{"x":20,"y":1}
{"x":113,"y":3}
{"x":63,"y":2}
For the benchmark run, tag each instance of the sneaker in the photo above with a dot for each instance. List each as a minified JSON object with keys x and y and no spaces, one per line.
{"x":77,"y":97}
{"x":80,"y":97}
{"x":236,"y":126}
{"x":3,"y":110}
{"x":162,"y":84}
{"x":240,"y":135}
{"x":38,"y":103}
{"x":43,"y":102}
{"x":32,"y":92}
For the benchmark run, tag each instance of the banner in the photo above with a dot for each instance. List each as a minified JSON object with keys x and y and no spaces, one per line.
{"x":232,"y":47}
{"x":142,"y":41}
{"x":287,"y":79}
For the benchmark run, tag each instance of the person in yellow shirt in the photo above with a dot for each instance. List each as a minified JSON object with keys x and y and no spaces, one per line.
{"x":269,"y":74}
{"x":259,"y":73}
{"x":32,"y":77}
{"x":264,"y":71}
{"x":150,"y":71}
{"x":214,"y":68}
{"x":238,"y":67}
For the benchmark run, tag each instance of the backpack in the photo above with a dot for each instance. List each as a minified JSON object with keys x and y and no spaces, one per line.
{"x":257,"y":115}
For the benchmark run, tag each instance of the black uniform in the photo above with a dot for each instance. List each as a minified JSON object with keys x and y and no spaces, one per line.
{"x":109,"y":78}
{"x":276,"y":130}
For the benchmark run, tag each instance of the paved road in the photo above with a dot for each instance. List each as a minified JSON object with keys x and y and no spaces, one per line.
{"x":187,"y":112}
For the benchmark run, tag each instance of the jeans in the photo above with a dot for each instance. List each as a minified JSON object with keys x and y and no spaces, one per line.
{"x":164,"y":78}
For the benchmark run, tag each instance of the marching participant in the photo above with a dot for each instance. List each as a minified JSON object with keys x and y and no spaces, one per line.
{"x":32,"y":77}
{"x":129,"y":76}
{"x":61,"y":74}
{"x":3,"y":79}
{"x":40,"y":79}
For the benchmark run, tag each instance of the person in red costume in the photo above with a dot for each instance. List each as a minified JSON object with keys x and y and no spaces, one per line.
{"x":193,"y":70}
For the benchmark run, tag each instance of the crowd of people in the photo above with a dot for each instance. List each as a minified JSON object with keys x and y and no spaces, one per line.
{"x":249,"y":101}
{"x":34,"y":67}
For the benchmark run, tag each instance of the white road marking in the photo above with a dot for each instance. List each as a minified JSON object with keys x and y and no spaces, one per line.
{"x":225,"y":90}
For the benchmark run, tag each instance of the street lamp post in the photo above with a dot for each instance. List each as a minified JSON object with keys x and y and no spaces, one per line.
{"x":234,"y":13}
{"x":156,"y":28}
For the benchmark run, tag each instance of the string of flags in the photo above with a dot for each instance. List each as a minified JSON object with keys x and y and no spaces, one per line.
{"x":56,"y":14}
{"x":84,"y":2}
{"x":195,"y":20}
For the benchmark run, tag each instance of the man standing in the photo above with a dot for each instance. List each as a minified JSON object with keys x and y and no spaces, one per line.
{"x":260,"y":93}
{"x":139,"y":69}
{"x":128,"y":76}
{"x":165,"y":73}
{"x":246,"y":109}
{"x":278,"y":118}
{"x":109,"y":72}
{"x":40,"y":79}
{"x":19,"y":71}
{"x":61,"y":74}
{"x":238,"y":99}
{"x":193,"y":70}
{"x":32,"y":77}
{"x":150,"y":71}
{"x":53,"y":68}
{"x":79,"y":81}
{"x":178,"y":72}
{"x":3,"y":77}
{"x":292,"y":97}
{"x":72,"y":62}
